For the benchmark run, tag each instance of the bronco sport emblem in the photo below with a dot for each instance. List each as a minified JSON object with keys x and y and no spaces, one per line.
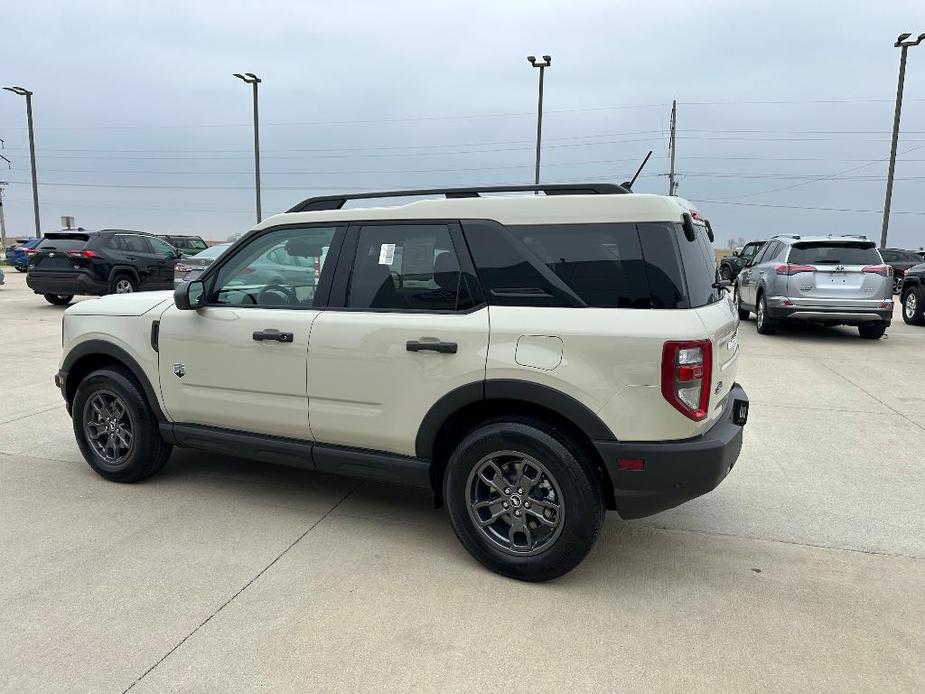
{"x":179,"y":370}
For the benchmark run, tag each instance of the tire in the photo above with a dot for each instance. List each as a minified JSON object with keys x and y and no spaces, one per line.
{"x":872,"y":331}
{"x":897,"y":284}
{"x":725,"y":273}
{"x":764,"y":324}
{"x":58,"y":299}
{"x":744,"y":314}
{"x":21,"y":269}
{"x":124,"y":407}
{"x":560,"y":480}
{"x":913,"y":309}
{"x":122,"y":284}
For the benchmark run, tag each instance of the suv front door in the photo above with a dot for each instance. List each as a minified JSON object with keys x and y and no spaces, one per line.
{"x":405,"y":326}
{"x":162,"y":260}
{"x":240,"y":362}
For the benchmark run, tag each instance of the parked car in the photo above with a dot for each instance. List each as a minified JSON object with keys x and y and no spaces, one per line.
{"x":17,"y":254}
{"x":535,"y":362}
{"x":2,"y":278}
{"x":833,"y":280}
{"x":731,"y":265}
{"x":900,"y":260}
{"x":111,"y":261}
{"x":920,"y":253}
{"x":190,"y":267}
{"x":187,"y":245}
{"x":912,"y":295}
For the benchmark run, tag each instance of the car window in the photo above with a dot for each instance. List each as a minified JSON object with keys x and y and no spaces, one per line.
{"x":750,"y":250}
{"x":601,"y":263}
{"x":162,"y":247}
{"x":406,"y":267}
{"x":763,"y":253}
{"x":834,"y":253}
{"x":255,"y":276}
{"x":130,"y":243}
{"x":889,"y":256}
{"x":63,"y":242}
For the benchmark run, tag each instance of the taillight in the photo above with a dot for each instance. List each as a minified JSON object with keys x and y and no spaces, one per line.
{"x":792,"y":269}
{"x":687,"y":370}
{"x":182,"y":269}
{"x":885,"y":270}
{"x":31,"y":251}
{"x":82,"y":254}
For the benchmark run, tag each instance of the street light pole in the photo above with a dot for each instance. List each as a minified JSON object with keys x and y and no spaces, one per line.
{"x":903,"y":42}
{"x":542,"y":65}
{"x":35,"y":183}
{"x":252,"y":79}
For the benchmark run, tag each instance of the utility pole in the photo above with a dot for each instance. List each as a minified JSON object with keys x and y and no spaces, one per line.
{"x":21,"y":91}
{"x":542,"y":65}
{"x":903,"y":42}
{"x":252,"y":79}
{"x":2,"y":219}
{"x":672,"y":186}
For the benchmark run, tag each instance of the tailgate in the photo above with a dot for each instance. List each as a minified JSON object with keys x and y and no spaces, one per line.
{"x":722,"y":324}
{"x":51,"y":254}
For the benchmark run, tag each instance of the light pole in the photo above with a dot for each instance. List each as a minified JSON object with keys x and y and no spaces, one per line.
{"x":542,"y":65}
{"x":35,"y":183}
{"x":903,"y":42}
{"x":252,"y":79}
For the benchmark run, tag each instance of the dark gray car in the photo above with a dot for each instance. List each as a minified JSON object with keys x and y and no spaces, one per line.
{"x":833,"y":280}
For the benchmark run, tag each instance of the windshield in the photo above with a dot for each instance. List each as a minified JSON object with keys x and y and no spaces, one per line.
{"x":834,"y":253}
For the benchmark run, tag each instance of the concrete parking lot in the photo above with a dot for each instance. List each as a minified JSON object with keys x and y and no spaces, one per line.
{"x":803,"y":571}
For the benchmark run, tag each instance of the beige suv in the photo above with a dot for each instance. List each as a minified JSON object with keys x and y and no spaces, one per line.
{"x":534,"y":360}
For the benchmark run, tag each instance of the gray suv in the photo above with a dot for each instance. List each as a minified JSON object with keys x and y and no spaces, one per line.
{"x":833,"y":280}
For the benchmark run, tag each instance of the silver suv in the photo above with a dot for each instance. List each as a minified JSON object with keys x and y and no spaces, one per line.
{"x":833,"y":280}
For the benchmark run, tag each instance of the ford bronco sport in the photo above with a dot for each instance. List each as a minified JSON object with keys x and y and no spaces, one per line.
{"x":534,"y":360}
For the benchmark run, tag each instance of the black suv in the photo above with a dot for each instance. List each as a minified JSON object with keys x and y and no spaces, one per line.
{"x":731,"y":265}
{"x":900,"y":260}
{"x":912,"y":295}
{"x":111,"y":261}
{"x":187,"y":245}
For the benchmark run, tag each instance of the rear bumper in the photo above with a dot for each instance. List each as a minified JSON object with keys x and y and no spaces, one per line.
{"x":675,"y":471}
{"x":854,"y":313}
{"x":64,"y":283}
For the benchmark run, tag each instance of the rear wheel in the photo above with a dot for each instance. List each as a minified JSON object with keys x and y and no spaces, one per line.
{"x":913,"y":310}
{"x":58,"y":299}
{"x":21,"y":269}
{"x":522,"y":500}
{"x":897,"y":284}
{"x":115,"y":429}
{"x":872,"y":331}
{"x":764,"y":324}
{"x":121,"y":284}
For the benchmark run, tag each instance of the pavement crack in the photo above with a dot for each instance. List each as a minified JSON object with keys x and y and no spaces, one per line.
{"x":241,"y":590}
{"x":871,"y":395}
{"x":32,"y":414}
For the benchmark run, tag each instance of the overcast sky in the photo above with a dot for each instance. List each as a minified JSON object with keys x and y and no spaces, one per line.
{"x":139,"y":123}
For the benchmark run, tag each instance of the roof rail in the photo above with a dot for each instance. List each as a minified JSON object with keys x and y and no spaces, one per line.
{"x":786,"y":236}
{"x":336,"y":202}
{"x":863,"y":237}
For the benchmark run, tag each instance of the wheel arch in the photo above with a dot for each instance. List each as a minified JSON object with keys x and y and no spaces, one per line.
{"x":462,"y":410}
{"x":125,"y":270}
{"x":96,"y":354}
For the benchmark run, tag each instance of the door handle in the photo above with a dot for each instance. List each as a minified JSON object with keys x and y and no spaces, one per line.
{"x":427,"y":345}
{"x":273,"y":335}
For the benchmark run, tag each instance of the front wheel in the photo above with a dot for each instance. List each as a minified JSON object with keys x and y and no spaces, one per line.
{"x":523,"y":500}
{"x":115,"y":429}
{"x":897,"y":284}
{"x":872,"y":331}
{"x":913,"y":313}
{"x":58,"y":299}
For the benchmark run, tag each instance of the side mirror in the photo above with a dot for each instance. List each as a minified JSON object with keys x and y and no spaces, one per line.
{"x":188,"y":296}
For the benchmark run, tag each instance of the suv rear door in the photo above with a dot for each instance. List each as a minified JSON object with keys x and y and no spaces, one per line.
{"x":840,"y":271}
{"x":51,"y":254}
{"x":405,"y":326}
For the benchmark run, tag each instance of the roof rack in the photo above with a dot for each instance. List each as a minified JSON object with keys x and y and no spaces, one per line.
{"x":336,"y":202}
{"x":786,"y":236}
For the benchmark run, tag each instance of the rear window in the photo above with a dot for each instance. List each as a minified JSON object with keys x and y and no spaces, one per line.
{"x":63,"y":242}
{"x":834,"y":253}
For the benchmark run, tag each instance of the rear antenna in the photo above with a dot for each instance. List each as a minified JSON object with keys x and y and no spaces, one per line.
{"x":629,"y":184}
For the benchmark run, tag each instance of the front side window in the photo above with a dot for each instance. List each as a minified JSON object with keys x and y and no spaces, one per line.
{"x":162,"y":247}
{"x":406,"y":267}
{"x":281,"y":268}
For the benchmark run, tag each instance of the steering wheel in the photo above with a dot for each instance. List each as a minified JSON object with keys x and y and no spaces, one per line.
{"x":276,"y":291}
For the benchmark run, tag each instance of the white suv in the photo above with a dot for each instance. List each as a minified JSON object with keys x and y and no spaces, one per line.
{"x":534,"y":360}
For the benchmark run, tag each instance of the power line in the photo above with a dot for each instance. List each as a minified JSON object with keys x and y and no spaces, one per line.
{"x":800,"y":207}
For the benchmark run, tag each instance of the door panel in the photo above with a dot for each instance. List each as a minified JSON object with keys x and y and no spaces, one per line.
{"x":367,"y":390}
{"x":231,"y":380}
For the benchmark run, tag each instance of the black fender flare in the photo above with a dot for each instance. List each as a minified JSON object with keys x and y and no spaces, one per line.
{"x":506,"y":389}
{"x":127,"y":270}
{"x":101,"y":347}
